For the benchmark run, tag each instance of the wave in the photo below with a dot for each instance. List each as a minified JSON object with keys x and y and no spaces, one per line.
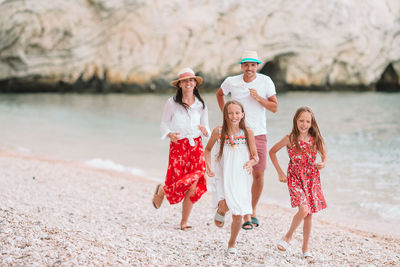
{"x":386,"y":211}
{"x":106,"y":164}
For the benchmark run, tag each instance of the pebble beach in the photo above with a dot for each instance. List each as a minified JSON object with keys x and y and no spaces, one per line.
{"x":62,"y":213}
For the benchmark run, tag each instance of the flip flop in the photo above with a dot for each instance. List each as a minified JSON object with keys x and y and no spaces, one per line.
{"x":219,"y":218}
{"x":158,"y":196}
{"x":254,"y":221}
{"x":307,"y":254}
{"x":186,"y":227}
{"x":248,"y":223}
{"x":283,"y":244}
{"x":232,"y":251}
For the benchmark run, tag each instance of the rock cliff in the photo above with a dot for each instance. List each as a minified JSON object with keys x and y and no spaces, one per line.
{"x":134,"y":45}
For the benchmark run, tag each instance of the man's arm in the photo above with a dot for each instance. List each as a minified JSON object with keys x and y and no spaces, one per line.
{"x":221,"y":99}
{"x":271,"y":103}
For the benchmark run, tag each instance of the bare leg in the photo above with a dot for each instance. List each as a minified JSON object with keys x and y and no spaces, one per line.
{"x":297,"y":219}
{"x":187,"y":206}
{"x":306,"y":231}
{"x":247,"y":218}
{"x":222,"y":207}
{"x":235,"y":228}
{"x":256,"y":189}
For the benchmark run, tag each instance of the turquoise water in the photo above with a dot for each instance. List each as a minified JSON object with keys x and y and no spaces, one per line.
{"x":362,"y":131}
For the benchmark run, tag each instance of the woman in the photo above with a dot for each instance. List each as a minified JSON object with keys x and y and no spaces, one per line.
{"x":184,"y":122}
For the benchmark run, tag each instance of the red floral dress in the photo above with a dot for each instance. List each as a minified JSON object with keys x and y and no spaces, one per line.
{"x":303,"y":177}
{"x":186,"y":166}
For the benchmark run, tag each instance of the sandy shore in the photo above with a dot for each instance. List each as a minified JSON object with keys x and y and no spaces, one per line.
{"x":65,"y":214}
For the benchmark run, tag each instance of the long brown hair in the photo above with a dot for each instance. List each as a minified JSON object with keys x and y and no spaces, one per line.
{"x":313,"y":131}
{"x":224,"y":130}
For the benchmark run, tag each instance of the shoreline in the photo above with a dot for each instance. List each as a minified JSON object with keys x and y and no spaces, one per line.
{"x":95,"y":85}
{"x":329,"y":216}
{"x":56,"y":212}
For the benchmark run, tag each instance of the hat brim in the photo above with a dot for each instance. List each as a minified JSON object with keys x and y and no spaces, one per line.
{"x":249,"y":60}
{"x":198,"y":79}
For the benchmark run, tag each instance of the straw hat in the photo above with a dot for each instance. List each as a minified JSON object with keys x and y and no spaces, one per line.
{"x":249,"y":56}
{"x":187,"y":73}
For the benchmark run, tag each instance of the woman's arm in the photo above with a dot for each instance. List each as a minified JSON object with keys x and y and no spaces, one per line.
{"x":166,"y":120}
{"x":272,"y":155}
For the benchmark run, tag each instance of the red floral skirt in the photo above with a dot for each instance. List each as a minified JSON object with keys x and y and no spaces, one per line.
{"x":186,"y":166}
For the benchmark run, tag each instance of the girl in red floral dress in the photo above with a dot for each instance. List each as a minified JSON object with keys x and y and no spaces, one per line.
{"x":303,"y":180}
{"x":184,"y":122}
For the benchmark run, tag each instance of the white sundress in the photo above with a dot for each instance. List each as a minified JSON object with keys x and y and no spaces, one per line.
{"x":231,"y":182}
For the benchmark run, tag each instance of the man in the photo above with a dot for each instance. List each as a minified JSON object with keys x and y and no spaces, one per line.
{"x":257,"y":93}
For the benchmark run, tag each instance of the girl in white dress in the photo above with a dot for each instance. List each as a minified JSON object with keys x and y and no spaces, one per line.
{"x":233,"y":167}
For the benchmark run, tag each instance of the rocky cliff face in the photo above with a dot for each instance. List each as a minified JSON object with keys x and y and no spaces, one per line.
{"x":140,"y":45}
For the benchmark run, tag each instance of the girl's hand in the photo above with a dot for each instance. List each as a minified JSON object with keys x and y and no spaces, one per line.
{"x":282,"y":178}
{"x":248,"y":167}
{"x":173,"y":136}
{"x":210,"y":173}
{"x":320,"y":165}
{"x":203,"y":130}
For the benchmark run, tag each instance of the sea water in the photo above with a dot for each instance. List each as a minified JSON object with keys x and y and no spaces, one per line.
{"x":361,"y":181}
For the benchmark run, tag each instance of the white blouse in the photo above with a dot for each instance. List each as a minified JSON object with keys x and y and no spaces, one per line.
{"x":184,"y":121}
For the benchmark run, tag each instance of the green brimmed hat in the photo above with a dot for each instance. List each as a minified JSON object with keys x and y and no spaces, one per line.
{"x":249,"y":56}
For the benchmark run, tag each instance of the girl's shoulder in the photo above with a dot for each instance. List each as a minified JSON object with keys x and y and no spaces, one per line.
{"x":217,"y":130}
{"x":215,"y":134}
{"x":287,"y":139}
{"x":249,"y":130}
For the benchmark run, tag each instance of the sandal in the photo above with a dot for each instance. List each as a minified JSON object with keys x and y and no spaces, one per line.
{"x":307,"y":255}
{"x":254,"y":221}
{"x":158,"y":196}
{"x":219,"y":218}
{"x":248,"y":223}
{"x":186,"y":227}
{"x":232,"y":251}
{"x":283,"y":244}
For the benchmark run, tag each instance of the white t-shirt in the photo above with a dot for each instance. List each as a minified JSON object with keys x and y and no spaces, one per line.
{"x":176,"y":118}
{"x":255,"y":113}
